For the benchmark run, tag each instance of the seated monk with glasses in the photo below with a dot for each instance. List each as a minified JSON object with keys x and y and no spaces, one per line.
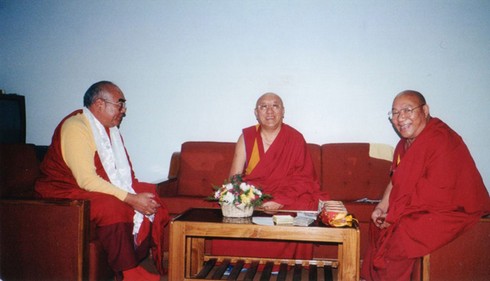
{"x":275,"y":157}
{"x":87,"y":160}
{"x":435,"y":194}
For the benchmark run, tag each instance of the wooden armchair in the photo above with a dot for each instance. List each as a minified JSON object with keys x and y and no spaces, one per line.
{"x":43,"y":239}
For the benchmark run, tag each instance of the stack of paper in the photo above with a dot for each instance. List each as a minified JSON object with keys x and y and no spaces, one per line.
{"x":303,"y":221}
{"x":283,"y":219}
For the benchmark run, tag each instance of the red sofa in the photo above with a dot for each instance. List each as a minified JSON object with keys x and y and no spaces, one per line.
{"x":345,"y":170}
{"x":43,"y":239}
{"x":53,"y":240}
{"x":348,"y":173}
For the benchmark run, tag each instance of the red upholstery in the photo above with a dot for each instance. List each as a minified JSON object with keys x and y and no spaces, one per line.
{"x":345,"y":170}
{"x":204,"y":165}
{"x":19,"y":169}
{"x":316,"y":156}
{"x":465,"y":258}
{"x":42,"y":239}
{"x":349,"y":173}
{"x":181,"y":203}
{"x":200,"y":166}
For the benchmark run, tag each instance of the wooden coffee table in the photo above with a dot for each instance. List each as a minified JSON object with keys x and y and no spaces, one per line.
{"x":189,"y":231}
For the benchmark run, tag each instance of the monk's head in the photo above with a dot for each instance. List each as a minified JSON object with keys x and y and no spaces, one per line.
{"x":106,"y":102}
{"x":269,"y":110}
{"x":409,"y":114}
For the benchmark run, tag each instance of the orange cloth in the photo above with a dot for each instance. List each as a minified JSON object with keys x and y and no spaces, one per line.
{"x":437,"y":194}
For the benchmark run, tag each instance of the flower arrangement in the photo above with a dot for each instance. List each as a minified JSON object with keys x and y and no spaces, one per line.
{"x":236,"y":192}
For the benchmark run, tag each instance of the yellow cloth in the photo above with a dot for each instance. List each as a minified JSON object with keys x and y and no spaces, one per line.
{"x":255,"y":157}
{"x":79,"y":157}
{"x":381,"y":151}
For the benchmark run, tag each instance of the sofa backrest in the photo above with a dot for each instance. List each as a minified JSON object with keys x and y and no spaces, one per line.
{"x":204,"y":165}
{"x":19,"y":169}
{"x":350,"y":173}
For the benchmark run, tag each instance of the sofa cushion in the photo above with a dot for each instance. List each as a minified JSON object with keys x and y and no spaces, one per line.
{"x":204,"y":165}
{"x":179,"y":204}
{"x":361,"y":211}
{"x":19,"y":169}
{"x":350,"y":173}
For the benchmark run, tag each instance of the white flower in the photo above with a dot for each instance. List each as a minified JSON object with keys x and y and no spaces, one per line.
{"x":217,"y":194}
{"x":245,"y":187}
{"x":238,"y":192}
{"x":228,"y":198}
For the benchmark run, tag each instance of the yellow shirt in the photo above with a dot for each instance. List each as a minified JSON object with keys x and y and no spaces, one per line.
{"x":78,"y":149}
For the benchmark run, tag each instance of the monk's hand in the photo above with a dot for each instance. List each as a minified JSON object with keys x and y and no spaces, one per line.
{"x":271,"y":207}
{"x":143,"y":202}
{"x":379,"y":216}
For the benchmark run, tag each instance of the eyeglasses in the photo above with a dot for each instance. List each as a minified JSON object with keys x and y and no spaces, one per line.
{"x":264,"y":107}
{"x":405,"y":112}
{"x":121,"y":104}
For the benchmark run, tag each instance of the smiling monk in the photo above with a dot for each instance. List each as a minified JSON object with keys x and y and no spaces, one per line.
{"x":275,"y":157}
{"x":435,"y":194}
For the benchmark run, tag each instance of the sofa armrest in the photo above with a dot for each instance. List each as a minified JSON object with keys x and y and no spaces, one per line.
{"x":44,"y":239}
{"x":167,"y":188}
{"x":173,"y":171}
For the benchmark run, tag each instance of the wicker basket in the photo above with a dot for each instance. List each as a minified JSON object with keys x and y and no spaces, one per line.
{"x":237,"y":211}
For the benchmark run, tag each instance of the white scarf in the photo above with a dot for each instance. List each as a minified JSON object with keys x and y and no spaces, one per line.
{"x":114,"y":160}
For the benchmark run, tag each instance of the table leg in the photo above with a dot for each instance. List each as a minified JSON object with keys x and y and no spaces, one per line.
{"x":349,"y":256}
{"x":177,"y":249}
{"x":195,"y":255}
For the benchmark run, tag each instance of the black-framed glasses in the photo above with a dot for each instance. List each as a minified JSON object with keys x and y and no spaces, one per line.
{"x":405,"y":112}
{"x":121,"y":104}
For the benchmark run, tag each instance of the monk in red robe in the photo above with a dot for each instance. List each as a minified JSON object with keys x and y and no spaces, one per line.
{"x":274,"y":157}
{"x":436,"y":193}
{"x":87,"y":160}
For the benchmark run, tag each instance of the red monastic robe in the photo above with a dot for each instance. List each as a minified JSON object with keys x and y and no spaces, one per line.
{"x":113,"y":218}
{"x":287,"y":173}
{"x":437,"y":194}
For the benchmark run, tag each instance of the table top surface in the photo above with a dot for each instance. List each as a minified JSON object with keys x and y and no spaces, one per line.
{"x":214,"y":215}
{"x":208,"y":215}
